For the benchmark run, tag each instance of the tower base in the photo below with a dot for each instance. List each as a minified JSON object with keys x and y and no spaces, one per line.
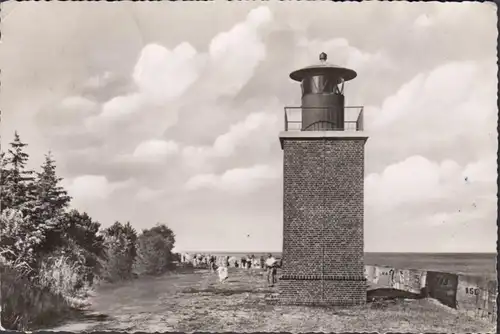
{"x":311,"y":291}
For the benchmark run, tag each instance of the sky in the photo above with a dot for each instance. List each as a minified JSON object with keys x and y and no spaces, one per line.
{"x":170,"y":112}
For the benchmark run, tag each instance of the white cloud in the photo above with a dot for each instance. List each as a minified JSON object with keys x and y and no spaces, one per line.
{"x":255,"y":124}
{"x":413,"y":180}
{"x":417,"y":180}
{"x":122,"y":105}
{"x":153,"y":150}
{"x":344,"y":54}
{"x":93,"y":187}
{"x":235,"y":54}
{"x":449,"y":111}
{"x":482,"y":171}
{"x":256,"y":128}
{"x":238,"y":180}
{"x":425,"y":198}
{"x":163,"y":75}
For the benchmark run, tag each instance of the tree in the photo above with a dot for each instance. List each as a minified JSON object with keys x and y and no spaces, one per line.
{"x":49,"y":204}
{"x":120,"y":242}
{"x":3,"y":175}
{"x":154,"y":253}
{"x":84,"y":232}
{"x":51,"y":199}
{"x":17,"y":192}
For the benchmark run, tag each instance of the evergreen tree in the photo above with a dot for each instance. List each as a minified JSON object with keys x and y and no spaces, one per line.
{"x":50,"y":203}
{"x":51,"y":198}
{"x":3,"y":176}
{"x":17,"y":190}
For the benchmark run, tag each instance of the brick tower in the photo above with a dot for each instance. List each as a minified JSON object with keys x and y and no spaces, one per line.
{"x":323,"y":192}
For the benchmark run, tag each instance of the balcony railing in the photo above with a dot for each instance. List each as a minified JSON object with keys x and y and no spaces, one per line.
{"x":353,"y":118}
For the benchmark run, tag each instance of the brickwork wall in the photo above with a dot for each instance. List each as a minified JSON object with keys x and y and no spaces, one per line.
{"x":318,"y":292}
{"x":323,"y":220}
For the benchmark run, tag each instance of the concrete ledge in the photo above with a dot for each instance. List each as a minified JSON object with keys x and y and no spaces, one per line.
{"x":333,"y":135}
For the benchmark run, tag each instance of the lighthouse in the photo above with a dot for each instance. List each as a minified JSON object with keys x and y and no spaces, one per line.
{"x":323,"y":183}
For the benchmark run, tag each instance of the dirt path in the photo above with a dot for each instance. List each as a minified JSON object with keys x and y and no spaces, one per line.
{"x":196,"y":301}
{"x":179,"y":301}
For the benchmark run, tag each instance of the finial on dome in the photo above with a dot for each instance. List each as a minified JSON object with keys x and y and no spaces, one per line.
{"x":322,"y":57}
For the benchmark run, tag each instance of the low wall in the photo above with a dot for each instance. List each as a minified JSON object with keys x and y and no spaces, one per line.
{"x":474,"y":296}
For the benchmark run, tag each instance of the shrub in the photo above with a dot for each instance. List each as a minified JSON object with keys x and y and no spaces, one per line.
{"x":118,"y":262}
{"x":154,"y":250}
{"x":27,"y":306}
{"x":153,"y":255}
{"x":65,"y":276}
{"x":19,"y":238}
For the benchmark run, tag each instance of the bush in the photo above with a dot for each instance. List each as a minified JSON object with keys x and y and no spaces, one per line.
{"x":154,"y":251}
{"x":64,"y":276}
{"x":153,"y":255}
{"x":18,"y":241}
{"x":118,"y":263}
{"x":27,"y":306}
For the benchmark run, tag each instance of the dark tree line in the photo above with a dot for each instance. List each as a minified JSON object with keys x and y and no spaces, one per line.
{"x":42,"y":237}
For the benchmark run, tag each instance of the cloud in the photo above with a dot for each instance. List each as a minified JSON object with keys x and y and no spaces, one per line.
{"x":155,"y":149}
{"x":418,"y":196}
{"x":235,"y":54}
{"x":344,"y":54}
{"x":162,"y":75}
{"x":435,"y":114}
{"x":255,"y":128}
{"x":482,"y":171}
{"x":416,"y":180}
{"x":93,"y":187}
{"x":235,"y":180}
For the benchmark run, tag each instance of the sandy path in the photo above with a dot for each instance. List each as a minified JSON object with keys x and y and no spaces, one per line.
{"x":197,"y":302}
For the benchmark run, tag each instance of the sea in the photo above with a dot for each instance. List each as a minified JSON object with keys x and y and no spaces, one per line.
{"x":473,"y":264}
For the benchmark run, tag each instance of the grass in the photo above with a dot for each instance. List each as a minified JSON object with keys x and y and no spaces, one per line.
{"x":195,"y":301}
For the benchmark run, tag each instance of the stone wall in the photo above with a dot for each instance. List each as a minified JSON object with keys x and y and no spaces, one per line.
{"x":474,"y":296}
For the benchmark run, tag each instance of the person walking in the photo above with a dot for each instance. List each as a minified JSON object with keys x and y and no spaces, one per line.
{"x":271,"y":270}
{"x":223,"y":274}
{"x":212,"y":263}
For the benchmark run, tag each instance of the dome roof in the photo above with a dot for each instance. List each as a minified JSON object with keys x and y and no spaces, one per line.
{"x":323,"y":68}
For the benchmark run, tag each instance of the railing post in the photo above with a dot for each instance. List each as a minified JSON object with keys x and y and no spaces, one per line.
{"x":360,"y":120}
{"x":286,"y":121}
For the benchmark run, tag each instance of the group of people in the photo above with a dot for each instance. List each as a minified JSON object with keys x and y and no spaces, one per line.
{"x":220,"y":264}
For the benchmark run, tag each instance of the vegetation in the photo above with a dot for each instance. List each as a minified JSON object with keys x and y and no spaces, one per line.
{"x":51,"y":256}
